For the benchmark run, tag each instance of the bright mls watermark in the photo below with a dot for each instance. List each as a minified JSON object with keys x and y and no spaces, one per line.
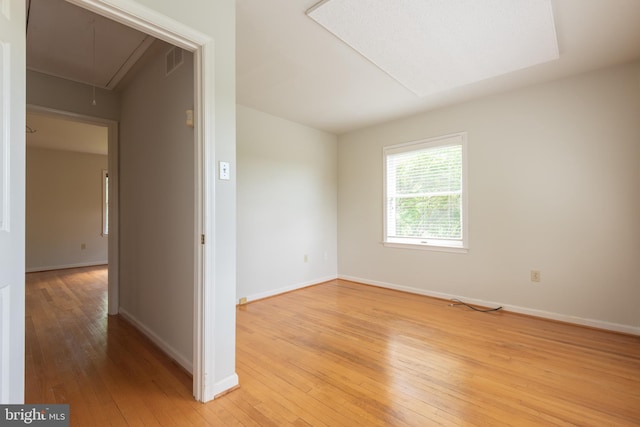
{"x":34,"y":415}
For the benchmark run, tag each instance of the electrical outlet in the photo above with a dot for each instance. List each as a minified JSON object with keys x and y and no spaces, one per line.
{"x":306,"y":258}
{"x":83,"y":246}
{"x":535,"y":276}
{"x":243,"y":300}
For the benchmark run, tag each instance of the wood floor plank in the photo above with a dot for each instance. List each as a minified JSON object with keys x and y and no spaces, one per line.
{"x":335,"y":354}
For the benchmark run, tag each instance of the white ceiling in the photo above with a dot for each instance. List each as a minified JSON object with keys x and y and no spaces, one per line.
{"x":60,"y":43}
{"x":428,"y":45}
{"x":289,"y":66}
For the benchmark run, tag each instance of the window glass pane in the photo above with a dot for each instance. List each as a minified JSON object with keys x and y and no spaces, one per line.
{"x":436,"y":217}
{"x":429,"y":170}
{"x":424,"y":184}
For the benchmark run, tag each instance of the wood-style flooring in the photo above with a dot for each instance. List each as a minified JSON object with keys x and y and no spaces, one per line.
{"x":335,"y":354}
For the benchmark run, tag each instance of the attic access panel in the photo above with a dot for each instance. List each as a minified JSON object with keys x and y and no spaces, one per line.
{"x":431,"y":46}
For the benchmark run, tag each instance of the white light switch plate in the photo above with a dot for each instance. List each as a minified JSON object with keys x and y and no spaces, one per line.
{"x":224,"y":171}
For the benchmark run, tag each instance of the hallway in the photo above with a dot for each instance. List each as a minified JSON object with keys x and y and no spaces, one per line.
{"x":103,"y":367}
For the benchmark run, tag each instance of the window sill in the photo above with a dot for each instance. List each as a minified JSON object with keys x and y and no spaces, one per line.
{"x":426,"y":247}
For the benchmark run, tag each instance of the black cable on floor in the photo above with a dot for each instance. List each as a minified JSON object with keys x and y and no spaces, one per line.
{"x":482,"y":310}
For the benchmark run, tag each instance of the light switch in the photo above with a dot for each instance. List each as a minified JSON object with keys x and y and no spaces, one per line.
{"x":224,"y":171}
{"x":189,"y":118}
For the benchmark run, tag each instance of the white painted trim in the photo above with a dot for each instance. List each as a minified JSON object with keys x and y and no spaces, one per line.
{"x":135,"y":15}
{"x":5,"y":342}
{"x":5,"y":136}
{"x":12,"y":217}
{"x":204,"y":387}
{"x":66,"y":266}
{"x":199,"y":229}
{"x":285,"y":289}
{"x":128,"y":64}
{"x":226,"y":384}
{"x":105,"y":203}
{"x":170,"y":351}
{"x":148,"y":21}
{"x":450,"y":249}
{"x":599,"y":324}
{"x":460,"y":138}
{"x":205,"y":325}
{"x":113,"y":246}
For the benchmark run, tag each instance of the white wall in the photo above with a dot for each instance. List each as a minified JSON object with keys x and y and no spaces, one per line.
{"x":157,"y":203}
{"x":64,"y":209}
{"x":287,"y":205}
{"x":554,"y":173}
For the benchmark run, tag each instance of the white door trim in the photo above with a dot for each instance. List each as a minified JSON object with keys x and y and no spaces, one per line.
{"x":132,"y":14}
{"x":12,"y":201}
{"x":114,"y":191}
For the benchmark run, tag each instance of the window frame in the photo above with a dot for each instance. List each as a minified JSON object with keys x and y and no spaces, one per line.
{"x":456,"y":245}
{"x":105,"y":203}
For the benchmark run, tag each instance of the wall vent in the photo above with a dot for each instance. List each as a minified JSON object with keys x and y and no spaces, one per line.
{"x":174,"y":59}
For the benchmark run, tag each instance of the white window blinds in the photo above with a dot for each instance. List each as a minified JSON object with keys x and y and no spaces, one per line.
{"x":424,"y":192}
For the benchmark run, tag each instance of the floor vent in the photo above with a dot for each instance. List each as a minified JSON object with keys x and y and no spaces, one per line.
{"x":174,"y":59}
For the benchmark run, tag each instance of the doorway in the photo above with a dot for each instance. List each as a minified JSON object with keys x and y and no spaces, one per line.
{"x":53,"y":129}
{"x":185,"y":38}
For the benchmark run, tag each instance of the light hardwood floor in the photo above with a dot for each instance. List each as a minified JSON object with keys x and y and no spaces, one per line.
{"x":336,"y":354}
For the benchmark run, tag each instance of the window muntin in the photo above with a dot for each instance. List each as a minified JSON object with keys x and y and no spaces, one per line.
{"x":425,"y":193}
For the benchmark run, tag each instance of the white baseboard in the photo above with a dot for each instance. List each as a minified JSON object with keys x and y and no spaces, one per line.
{"x":225,"y":384}
{"x":599,"y":324}
{"x":66,"y":266}
{"x":267,"y":294}
{"x":170,"y":351}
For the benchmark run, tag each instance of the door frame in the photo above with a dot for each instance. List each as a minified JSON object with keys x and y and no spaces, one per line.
{"x":12,"y":201}
{"x":148,"y":21}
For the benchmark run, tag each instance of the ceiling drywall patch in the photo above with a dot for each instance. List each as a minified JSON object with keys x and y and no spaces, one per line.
{"x":430,"y":46}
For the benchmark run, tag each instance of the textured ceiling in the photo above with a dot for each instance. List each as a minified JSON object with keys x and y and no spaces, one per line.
{"x":60,"y":43}
{"x":430,"y":46}
{"x":289,"y":66}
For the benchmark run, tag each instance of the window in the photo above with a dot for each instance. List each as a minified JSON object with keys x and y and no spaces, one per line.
{"x":105,"y":203}
{"x":426,"y":194}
